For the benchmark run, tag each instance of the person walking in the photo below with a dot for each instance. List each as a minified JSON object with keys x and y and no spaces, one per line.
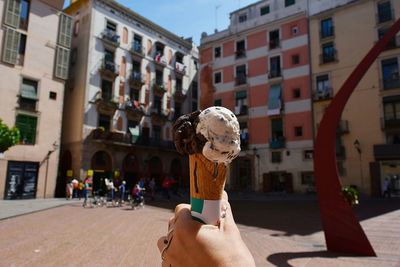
{"x":87,"y":191}
{"x":122,"y":190}
{"x":386,"y":188}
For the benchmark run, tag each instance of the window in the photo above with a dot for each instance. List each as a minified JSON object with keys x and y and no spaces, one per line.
{"x":63,"y":45}
{"x":295,"y":30}
{"x":194,"y":90}
{"x":276,"y":156}
{"x":307,"y":178}
{"x":53,"y":95}
{"x":76,"y":27}
{"x":244,"y":135}
{"x":277,"y":141}
{"x":289,"y":2}
{"x":62,"y":63}
{"x":157,"y":104}
{"x":308,"y":154}
{"x":327,"y":29}
{"x":274,"y":39}
{"x":106,"y":90}
{"x":392,"y":42}
{"x":328,"y":53}
{"x":274,"y":100}
{"x":298,"y":131}
{"x":264,"y":10}
{"x":296,"y":93}
{"x":384,"y":11}
{"x":241,"y":77}
{"x":218,"y":102}
{"x":390,"y":73}
{"x":323,"y":87}
{"x":14,"y":47}
{"x":178,"y":85}
{"x":178,"y":111}
{"x":242,"y":18}
{"x":217,"y":52}
{"x":27,"y":128}
{"x":137,"y":44}
{"x":391,"y":109}
{"x":296,"y":59}
{"x":275,"y":67}
{"x":136,"y":72}
{"x":17,"y":14}
{"x":110,"y":26}
{"x":28,"y":96}
{"x":159,"y":78}
{"x":241,"y":103}
{"x":240,"y":49}
{"x":105,"y":122}
{"x":217,"y":77}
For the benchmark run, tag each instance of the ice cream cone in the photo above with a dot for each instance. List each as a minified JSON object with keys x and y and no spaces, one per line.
{"x":207,"y":181}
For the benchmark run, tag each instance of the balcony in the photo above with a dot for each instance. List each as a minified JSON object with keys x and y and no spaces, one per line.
{"x":274,"y":43}
{"x":110,"y":38}
{"x":387,"y":152}
{"x":137,"y":50}
{"x":180,"y":68}
{"x":240,"y":79}
{"x":159,"y":88}
{"x":158,"y":116}
{"x":109,"y":69}
{"x":241,"y":110}
{"x":27,"y":104}
{"x":325,"y":58}
{"x":277,"y":143}
{"x":389,"y":124}
{"x":274,"y":74}
{"x":325,"y":94}
{"x":385,"y":16}
{"x":327,"y":32}
{"x":106,"y":106}
{"x":136,"y":80}
{"x":240,"y":53}
{"x":134,"y":111}
{"x":160,"y":60}
{"x":179,"y":96}
{"x":244,"y":140}
{"x":392,"y":82}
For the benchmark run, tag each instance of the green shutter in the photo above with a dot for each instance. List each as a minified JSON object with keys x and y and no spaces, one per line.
{"x":62,"y":63}
{"x":65,"y":31}
{"x":11,"y":43}
{"x":29,"y":90}
{"x":12,"y":13}
{"x":27,"y":128}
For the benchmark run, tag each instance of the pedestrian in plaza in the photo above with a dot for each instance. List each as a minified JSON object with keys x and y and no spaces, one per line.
{"x":87,"y":189}
{"x":75,"y":184}
{"x":122,"y":190}
{"x":69,"y":188}
{"x":386,"y":188}
{"x":81,"y":186}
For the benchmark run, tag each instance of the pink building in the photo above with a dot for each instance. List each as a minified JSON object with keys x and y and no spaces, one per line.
{"x":259,"y":68}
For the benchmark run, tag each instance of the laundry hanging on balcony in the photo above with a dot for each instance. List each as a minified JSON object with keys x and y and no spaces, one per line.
{"x":274,"y":100}
{"x":135,"y":133}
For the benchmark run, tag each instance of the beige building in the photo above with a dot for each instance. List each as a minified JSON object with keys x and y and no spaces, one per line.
{"x":35,"y":39}
{"x":130,"y":79}
{"x":368,"y":138}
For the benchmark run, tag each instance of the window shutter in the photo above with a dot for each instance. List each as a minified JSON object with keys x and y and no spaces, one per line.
{"x":12,"y":13}
{"x":62,"y":63}
{"x":10,"y":52}
{"x":65,"y":31}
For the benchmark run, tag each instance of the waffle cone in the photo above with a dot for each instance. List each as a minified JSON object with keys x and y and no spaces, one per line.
{"x":207,"y":179}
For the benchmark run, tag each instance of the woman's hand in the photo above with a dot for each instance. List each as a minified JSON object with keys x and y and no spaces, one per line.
{"x":190,"y":243}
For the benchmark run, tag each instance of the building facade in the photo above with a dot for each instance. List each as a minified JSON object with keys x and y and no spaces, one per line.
{"x":35,"y":40}
{"x":368,"y":137}
{"x":259,"y":68}
{"x":130,"y":79}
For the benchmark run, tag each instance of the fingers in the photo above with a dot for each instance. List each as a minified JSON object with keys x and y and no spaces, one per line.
{"x":227,"y":222}
{"x":161,"y":243}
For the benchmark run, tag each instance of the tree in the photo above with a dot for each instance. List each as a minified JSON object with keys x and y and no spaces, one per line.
{"x":8,"y":136}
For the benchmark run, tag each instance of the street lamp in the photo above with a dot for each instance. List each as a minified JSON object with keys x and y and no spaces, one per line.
{"x":357,"y":146}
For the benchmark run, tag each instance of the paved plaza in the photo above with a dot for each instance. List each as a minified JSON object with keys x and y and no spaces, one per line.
{"x":279,"y":231}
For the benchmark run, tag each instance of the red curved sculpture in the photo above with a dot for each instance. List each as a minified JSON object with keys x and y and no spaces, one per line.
{"x":343,"y":232}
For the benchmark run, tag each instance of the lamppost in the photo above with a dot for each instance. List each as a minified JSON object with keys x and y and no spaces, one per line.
{"x":357,"y":146}
{"x":55,"y":146}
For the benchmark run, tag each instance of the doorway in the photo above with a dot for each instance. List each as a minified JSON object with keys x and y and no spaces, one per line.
{"x":21,"y":180}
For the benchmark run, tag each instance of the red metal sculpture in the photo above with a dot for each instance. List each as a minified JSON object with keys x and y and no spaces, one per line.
{"x":343,"y":232}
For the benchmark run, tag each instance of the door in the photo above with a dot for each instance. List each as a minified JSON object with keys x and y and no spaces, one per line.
{"x":21,"y":180}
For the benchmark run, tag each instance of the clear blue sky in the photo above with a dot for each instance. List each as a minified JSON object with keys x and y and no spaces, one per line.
{"x":187,"y":18}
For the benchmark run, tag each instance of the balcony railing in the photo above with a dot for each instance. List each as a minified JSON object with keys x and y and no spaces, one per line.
{"x":109,"y":68}
{"x":274,"y":43}
{"x":328,"y":57}
{"x":241,"y":110}
{"x":391,"y":83}
{"x":278,"y":142}
{"x":241,"y":79}
{"x":244,"y":140}
{"x":111,"y":37}
{"x":326,"y":93}
{"x":160,"y":59}
{"x":137,"y":49}
{"x":240,"y":53}
{"x":136,"y":80}
{"x":27,"y":104}
{"x":105,"y":105}
{"x":388,"y":124}
{"x":180,"y":68}
{"x":327,"y":32}
{"x":159,"y":88}
{"x":274,"y":73}
{"x":387,"y":151}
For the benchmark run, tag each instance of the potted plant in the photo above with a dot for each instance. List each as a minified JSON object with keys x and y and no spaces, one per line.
{"x":351,"y":194}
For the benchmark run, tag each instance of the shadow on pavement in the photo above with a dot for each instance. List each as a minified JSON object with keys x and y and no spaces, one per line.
{"x":282,"y":259}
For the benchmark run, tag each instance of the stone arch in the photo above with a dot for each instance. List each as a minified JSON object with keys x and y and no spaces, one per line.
{"x":101,"y":164}
{"x":155,"y":169}
{"x":131,"y":170}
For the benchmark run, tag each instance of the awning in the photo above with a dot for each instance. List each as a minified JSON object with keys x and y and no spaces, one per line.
{"x":135,"y":133}
{"x":274,"y":100}
{"x":28,"y":91}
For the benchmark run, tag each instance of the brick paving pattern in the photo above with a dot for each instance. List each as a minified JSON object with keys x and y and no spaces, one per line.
{"x":278,"y":233}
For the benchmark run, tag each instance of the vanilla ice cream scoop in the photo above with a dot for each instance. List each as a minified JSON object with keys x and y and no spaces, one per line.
{"x":220,"y":128}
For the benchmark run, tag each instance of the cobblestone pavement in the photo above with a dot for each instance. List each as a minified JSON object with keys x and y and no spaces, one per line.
{"x":279,"y":232}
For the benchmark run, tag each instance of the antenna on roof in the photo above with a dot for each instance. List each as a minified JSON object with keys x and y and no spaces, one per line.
{"x":216,"y":17}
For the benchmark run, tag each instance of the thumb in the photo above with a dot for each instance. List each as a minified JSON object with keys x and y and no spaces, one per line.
{"x":227,"y":222}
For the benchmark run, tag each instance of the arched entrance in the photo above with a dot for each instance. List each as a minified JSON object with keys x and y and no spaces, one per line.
{"x":101,"y":164}
{"x":130,"y":167}
{"x":176,"y":171}
{"x":65,"y":165}
{"x":155,"y":170}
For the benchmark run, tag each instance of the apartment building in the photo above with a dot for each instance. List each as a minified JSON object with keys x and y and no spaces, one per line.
{"x":130,"y":79}
{"x":368,"y":137}
{"x":259,"y":68}
{"x":35,"y":41}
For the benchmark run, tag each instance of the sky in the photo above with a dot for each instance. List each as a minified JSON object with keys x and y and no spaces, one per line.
{"x":187,"y":18}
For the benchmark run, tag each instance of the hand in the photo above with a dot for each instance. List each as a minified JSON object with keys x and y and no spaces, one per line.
{"x":190,"y":243}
